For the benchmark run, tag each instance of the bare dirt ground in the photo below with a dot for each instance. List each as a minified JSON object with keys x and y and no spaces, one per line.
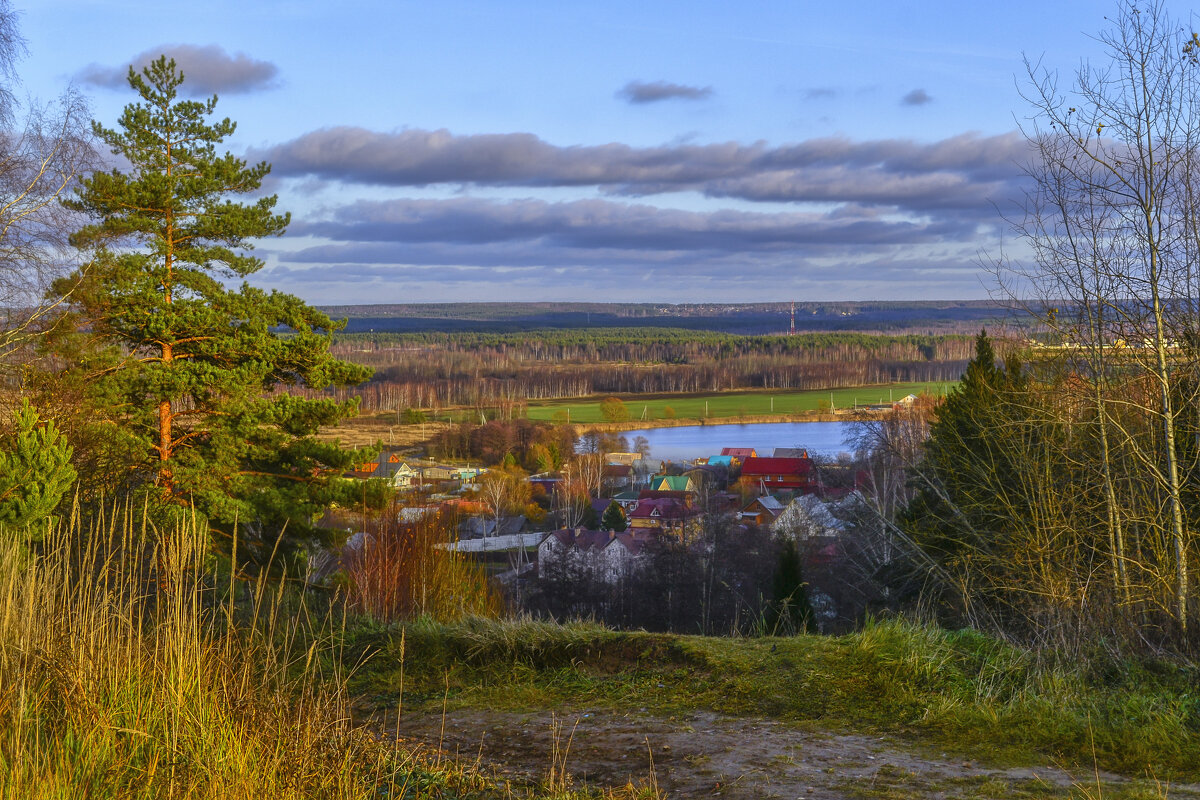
{"x":709,"y":755}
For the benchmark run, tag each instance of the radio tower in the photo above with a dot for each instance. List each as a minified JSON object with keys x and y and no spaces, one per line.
{"x":792,"y":324}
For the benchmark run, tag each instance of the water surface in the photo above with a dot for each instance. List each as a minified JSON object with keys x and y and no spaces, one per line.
{"x":694,"y":441}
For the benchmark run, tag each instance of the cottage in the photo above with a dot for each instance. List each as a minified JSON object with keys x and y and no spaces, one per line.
{"x":602,"y":555}
{"x":807,"y":517}
{"x":762,"y":510}
{"x":627,"y":500}
{"x":617,"y":476}
{"x":774,"y":474}
{"x":668,"y":514}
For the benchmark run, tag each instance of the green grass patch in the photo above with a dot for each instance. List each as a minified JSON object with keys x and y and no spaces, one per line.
{"x":957,"y":691}
{"x":724,"y":405}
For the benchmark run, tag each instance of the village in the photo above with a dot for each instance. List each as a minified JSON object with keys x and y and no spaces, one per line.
{"x":607,"y":520}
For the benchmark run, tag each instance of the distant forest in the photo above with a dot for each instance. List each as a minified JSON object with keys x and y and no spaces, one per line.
{"x":927,"y":317}
{"x":435,"y":370}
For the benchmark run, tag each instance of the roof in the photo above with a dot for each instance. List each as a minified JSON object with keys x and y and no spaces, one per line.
{"x":513,"y":541}
{"x":582,"y":539}
{"x":768,"y":503}
{"x":618,"y":471}
{"x":739,"y":452}
{"x":790,"y":452}
{"x":671,"y":483}
{"x":777,"y":466}
{"x":662,"y":508}
{"x":722,"y":460}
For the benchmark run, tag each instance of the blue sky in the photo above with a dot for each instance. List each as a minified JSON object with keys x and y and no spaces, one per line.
{"x":623,"y":151}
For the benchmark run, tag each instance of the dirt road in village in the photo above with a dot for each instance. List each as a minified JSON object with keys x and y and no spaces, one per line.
{"x":709,"y":755}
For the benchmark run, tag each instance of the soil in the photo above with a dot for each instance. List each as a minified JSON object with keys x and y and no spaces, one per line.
{"x":707,"y":754}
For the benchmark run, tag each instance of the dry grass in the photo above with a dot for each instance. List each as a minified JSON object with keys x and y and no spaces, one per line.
{"x":128,"y":671}
{"x":120,"y":676}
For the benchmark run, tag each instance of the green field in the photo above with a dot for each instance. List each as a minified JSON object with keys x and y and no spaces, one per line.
{"x":731,"y":404}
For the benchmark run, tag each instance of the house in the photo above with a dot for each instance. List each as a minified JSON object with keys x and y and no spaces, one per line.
{"x":388,"y":466}
{"x":438,"y":474}
{"x":741,"y":453}
{"x":720,"y":461}
{"x":672,"y":483}
{"x":790,"y":452}
{"x":617,"y":477}
{"x":773,"y":474}
{"x":468,"y":474}
{"x":762,"y":510}
{"x":666,"y":513}
{"x":627,"y":459}
{"x":602,"y":555}
{"x":627,"y":500}
{"x":807,"y":517}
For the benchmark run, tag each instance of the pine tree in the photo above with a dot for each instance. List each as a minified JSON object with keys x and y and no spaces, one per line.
{"x":187,"y":365}
{"x":35,"y":471}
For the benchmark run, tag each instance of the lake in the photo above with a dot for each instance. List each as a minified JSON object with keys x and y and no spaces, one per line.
{"x":694,"y":441}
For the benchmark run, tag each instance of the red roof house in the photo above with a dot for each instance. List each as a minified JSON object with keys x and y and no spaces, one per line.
{"x":794,"y":474}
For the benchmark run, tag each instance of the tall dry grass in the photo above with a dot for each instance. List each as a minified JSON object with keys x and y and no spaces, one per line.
{"x":123,"y":675}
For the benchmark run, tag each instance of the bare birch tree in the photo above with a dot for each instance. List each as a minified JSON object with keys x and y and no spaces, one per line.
{"x":1111,"y":222}
{"x":43,"y":148}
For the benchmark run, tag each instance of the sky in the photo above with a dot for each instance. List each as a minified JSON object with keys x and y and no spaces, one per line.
{"x":620,"y":151}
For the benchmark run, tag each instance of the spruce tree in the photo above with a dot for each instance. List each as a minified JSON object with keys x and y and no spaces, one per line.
{"x":35,"y":470}
{"x":188,"y":366}
{"x":613,"y":519}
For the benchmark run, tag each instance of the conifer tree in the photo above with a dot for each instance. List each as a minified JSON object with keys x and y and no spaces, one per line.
{"x":35,"y":470}
{"x":187,"y":365}
{"x":613,"y":519}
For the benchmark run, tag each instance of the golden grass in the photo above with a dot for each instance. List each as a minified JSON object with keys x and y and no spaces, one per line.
{"x":121,"y":676}
{"x":129,"y":670}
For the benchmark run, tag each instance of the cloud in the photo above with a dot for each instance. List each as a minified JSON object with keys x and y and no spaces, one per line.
{"x":884,"y":218}
{"x":208,"y":69}
{"x":638,"y":92}
{"x":968,"y":171}
{"x":611,"y":226}
{"x":917,"y":97}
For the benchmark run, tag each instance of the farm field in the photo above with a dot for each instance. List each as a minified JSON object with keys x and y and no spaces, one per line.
{"x":730,"y":404}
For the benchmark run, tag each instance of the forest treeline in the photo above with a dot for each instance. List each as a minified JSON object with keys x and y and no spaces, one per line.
{"x":434,"y":370}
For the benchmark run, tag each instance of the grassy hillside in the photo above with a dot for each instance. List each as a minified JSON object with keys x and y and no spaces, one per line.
{"x":957,"y":691}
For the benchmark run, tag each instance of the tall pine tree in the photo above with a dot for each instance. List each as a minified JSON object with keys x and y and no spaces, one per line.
{"x":187,"y":365}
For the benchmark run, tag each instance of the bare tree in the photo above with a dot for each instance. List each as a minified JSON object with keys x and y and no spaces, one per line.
{"x":43,"y":148}
{"x":1112,"y":223}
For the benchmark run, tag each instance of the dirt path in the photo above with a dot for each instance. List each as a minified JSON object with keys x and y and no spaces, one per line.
{"x":707,"y":755}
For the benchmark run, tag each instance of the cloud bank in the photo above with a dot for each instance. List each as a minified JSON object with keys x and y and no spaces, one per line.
{"x":879,"y":218}
{"x":965,"y":171}
{"x":209,"y":69}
